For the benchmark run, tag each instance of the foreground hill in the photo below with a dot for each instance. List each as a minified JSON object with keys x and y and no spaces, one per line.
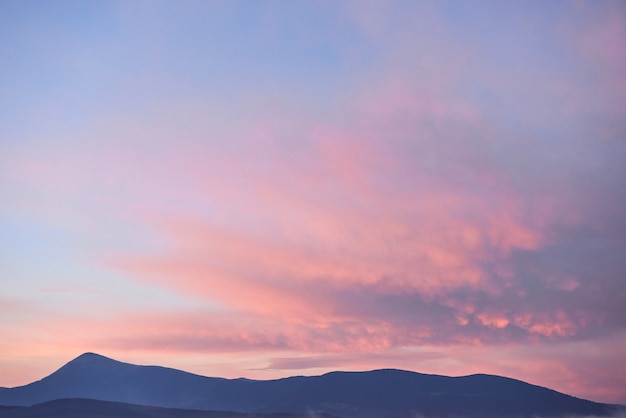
{"x":379,"y":393}
{"x":86,"y":408}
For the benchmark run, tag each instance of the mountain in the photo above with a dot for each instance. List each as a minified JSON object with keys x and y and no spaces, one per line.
{"x":92,"y":376}
{"x":81,"y":408}
{"x":375,"y":394}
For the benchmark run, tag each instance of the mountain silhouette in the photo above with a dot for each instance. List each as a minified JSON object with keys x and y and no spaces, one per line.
{"x":385,"y":393}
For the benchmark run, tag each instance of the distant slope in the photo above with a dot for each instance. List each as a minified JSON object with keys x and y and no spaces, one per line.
{"x":89,"y":408}
{"x":375,"y":394}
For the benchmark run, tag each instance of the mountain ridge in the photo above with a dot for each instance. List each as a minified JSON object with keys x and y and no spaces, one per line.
{"x":365,"y":394}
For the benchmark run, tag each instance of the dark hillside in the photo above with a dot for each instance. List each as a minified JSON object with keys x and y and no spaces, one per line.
{"x":88,"y":408}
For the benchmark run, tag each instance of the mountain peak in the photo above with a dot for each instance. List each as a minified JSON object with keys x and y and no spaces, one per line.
{"x":92,"y":362}
{"x":90,"y":359}
{"x":91,"y":356}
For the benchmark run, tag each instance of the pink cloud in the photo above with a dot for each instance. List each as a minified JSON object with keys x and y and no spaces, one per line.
{"x":375,"y":205}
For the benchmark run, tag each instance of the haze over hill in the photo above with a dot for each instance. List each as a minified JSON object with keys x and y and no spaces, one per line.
{"x":378,"y":393}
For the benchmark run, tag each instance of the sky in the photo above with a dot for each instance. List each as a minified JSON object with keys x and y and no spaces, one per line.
{"x":276,"y":188}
